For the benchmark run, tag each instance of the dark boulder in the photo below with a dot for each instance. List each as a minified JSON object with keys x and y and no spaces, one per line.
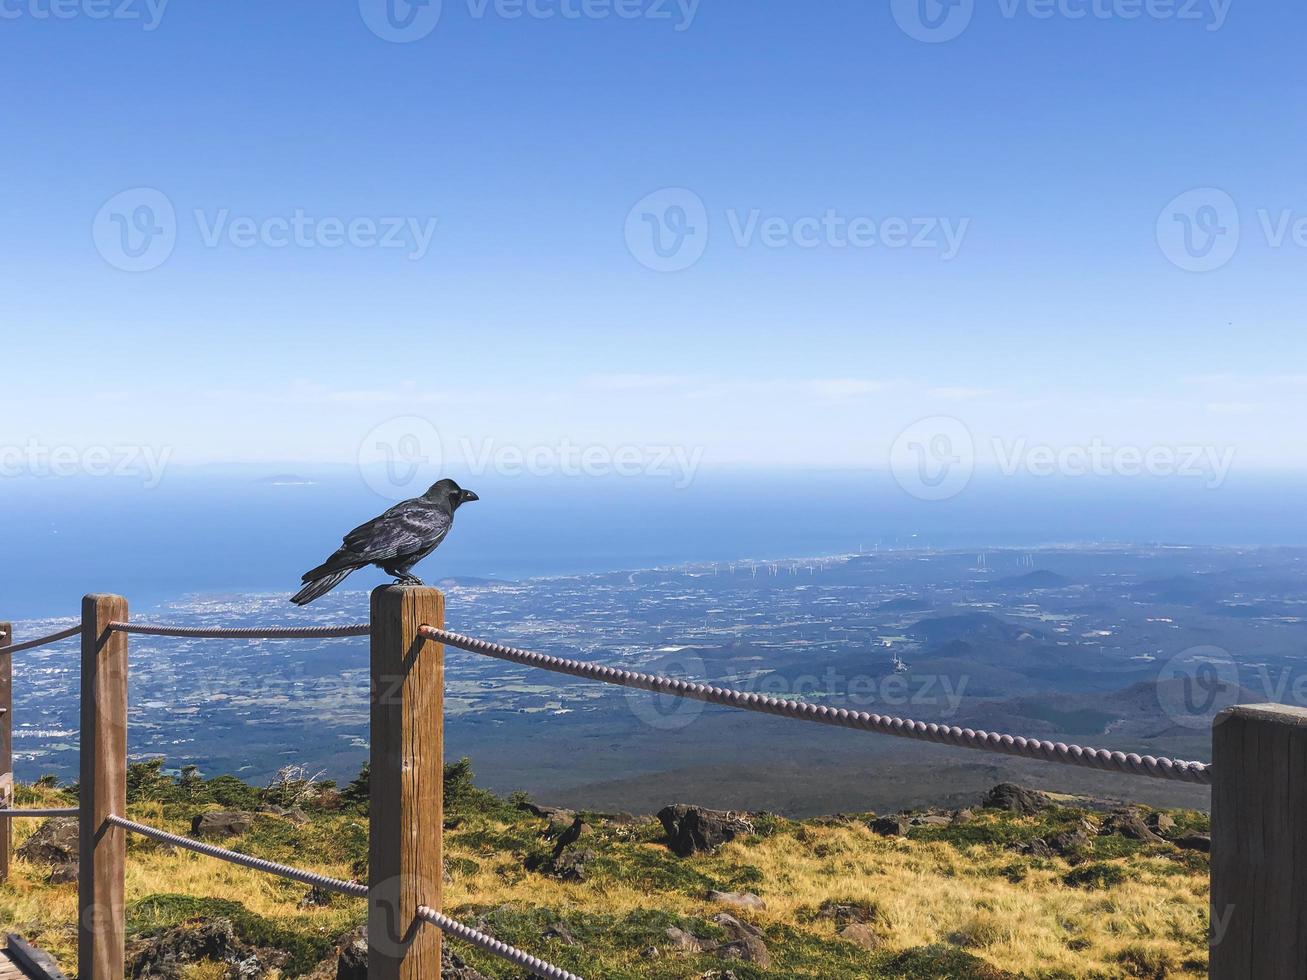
{"x":1194,"y":842}
{"x":352,"y":955}
{"x":849,"y":913}
{"x":1015,"y":799}
{"x":896,"y":826}
{"x":221,"y":824}
{"x":1160,"y":823}
{"x":1127,"y":823}
{"x":573,"y":865}
{"x":1035,"y":848}
{"x":862,"y":935}
{"x":682,"y":940}
{"x":169,"y":954}
{"x":693,"y":829}
{"x":55,"y":842}
{"x":744,"y":942}
{"x":64,"y":874}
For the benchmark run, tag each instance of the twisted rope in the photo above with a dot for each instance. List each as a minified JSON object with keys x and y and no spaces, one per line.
{"x":67,"y":811}
{"x":966,"y":738}
{"x":244,"y":632}
{"x":489,"y":944}
{"x":352,"y":888}
{"x":42,"y":641}
{"x":245,"y":860}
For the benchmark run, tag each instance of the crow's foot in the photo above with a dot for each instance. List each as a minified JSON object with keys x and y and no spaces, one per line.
{"x":408,"y":580}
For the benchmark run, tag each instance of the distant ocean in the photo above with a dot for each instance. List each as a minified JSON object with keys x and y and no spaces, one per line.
{"x":238,"y":529}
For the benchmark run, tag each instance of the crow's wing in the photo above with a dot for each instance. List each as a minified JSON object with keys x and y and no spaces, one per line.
{"x":406,"y":529}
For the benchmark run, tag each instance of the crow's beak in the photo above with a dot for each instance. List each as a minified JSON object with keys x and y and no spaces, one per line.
{"x":469,"y":495}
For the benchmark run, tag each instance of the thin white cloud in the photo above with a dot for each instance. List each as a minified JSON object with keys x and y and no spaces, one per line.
{"x":959,"y":394}
{"x":1232,"y":408}
{"x":635,"y":382}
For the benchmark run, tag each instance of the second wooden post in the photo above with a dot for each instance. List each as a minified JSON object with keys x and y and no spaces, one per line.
{"x":407,"y":783}
{"x":1259,"y":844}
{"x":101,"y":925}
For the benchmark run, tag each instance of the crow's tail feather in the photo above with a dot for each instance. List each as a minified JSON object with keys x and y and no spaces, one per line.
{"x":319,"y":585}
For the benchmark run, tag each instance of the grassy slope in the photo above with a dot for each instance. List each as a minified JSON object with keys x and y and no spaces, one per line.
{"x":948,"y":901}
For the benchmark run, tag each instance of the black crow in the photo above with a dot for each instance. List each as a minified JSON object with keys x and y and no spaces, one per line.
{"x":394,"y":542}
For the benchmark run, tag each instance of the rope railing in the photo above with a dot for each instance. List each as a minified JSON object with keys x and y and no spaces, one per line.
{"x":538,"y":967}
{"x":244,"y":860}
{"x":352,"y":888}
{"x":60,"y":811}
{"x":43,"y":641}
{"x":967,"y":738}
{"x":244,"y":632}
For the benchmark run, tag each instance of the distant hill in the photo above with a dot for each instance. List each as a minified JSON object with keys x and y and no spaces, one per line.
{"x":1183,"y":589}
{"x":975,"y":628}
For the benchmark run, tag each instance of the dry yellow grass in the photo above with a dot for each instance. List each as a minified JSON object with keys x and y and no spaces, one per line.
{"x":1012,"y":912}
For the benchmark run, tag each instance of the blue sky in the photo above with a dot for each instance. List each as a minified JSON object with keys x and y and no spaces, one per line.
{"x":1051,"y":145}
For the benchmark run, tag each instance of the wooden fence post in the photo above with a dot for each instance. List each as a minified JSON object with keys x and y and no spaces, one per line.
{"x":103,"y":847}
{"x":407,"y":783}
{"x":1259,"y":844}
{"x":6,"y":745}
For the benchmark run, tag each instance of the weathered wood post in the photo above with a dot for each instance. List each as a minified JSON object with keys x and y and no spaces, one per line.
{"x":407,"y":783}
{"x":102,"y":846}
{"x":1259,"y":843}
{"x":6,"y":744}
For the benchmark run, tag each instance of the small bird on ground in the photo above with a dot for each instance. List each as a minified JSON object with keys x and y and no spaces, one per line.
{"x":394,"y":542}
